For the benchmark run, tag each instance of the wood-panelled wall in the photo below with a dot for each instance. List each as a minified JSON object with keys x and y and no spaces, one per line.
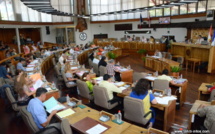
{"x":6,"y":35}
{"x":33,"y":33}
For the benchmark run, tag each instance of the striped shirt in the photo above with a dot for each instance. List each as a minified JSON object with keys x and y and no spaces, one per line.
{"x":111,"y":69}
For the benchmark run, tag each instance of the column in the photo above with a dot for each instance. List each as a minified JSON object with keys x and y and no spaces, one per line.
{"x":67,"y":40}
{"x":18,"y":39}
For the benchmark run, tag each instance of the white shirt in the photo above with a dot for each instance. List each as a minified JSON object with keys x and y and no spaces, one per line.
{"x":71,"y":51}
{"x":61,"y":59}
{"x":144,"y":40}
{"x":158,"y":54}
{"x":199,"y":41}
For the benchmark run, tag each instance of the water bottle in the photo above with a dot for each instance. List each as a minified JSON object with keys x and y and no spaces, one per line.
{"x":67,"y":99}
{"x":119,"y":119}
{"x":181,"y":76}
{"x":169,"y":92}
{"x":53,"y":85}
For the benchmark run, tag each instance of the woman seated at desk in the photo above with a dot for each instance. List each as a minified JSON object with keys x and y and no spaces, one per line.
{"x":102,"y":62}
{"x":87,"y":79}
{"x":140,"y":91}
{"x":23,"y":88}
{"x":70,"y":75}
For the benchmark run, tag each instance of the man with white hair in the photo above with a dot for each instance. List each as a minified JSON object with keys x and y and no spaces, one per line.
{"x":112,"y":70}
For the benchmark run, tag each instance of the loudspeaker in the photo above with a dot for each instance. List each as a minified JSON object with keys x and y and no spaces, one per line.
{"x":196,"y":20}
{"x":47,"y":30}
{"x":154,"y":29}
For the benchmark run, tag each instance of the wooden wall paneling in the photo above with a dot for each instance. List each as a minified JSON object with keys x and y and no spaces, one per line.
{"x":133,"y":45}
{"x":7,"y":35}
{"x":200,"y":53}
{"x":33,"y":33}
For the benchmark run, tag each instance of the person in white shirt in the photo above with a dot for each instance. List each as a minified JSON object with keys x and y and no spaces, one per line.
{"x":199,"y":40}
{"x":111,"y":88}
{"x":143,"y":39}
{"x":61,"y":59}
{"x":165,"y":76}
{"x":158,"y":54}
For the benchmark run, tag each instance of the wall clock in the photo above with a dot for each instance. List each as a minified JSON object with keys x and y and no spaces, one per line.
{"x":83,"y":36}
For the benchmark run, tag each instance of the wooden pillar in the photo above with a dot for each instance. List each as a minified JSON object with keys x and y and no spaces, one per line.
{"x":18,"y":39}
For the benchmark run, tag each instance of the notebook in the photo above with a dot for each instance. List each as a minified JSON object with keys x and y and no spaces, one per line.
{"x":52,"y":104}
{"x":65,"y":113}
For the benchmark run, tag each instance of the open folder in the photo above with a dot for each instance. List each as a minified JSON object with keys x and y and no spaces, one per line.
{"x":52,"y":104}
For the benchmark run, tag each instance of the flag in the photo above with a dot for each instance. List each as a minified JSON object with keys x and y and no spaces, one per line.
{"x":141,"y":19}
{"x":210,"y":34}
{"x":213,"y":40}
{"x":149,"y":19}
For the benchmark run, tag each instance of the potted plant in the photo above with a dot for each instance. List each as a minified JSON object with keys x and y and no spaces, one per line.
{"x":142,"y":52}
{"x":111,"y":55}
{"x":175,"y":70}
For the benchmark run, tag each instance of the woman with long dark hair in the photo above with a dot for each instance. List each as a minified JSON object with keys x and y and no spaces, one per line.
{"x":141,"y":91}
{"x":102,"y":62}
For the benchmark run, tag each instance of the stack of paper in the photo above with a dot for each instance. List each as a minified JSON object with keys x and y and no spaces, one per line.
{"x":38,"y":84}
{"x":96,"y":61}
{"x":65,"y":113}
{"x":150,"y":78}
{"x":52,"y":104}
{"x":123,"y":70}
{"x":30,"y":69}
{"x":34,"y":62}
{"x":30,"y":65}
{"x":80,"y":73}
{"x":179,"y":81}
{"x":165,"y":100}
{"x":119,"y":84}
{"x":122,"y":88}
{"x":73,"y":68}
{"x":36,"y":76}
{"x":97,"y":129}
{"x":99,"y":78}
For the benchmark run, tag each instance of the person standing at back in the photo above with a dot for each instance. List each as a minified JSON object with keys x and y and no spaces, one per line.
{"x":112,"y":70}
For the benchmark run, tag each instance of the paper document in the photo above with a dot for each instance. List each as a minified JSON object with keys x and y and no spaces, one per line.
{"x":30,"y":65}
{"x":80,"y":73}
{"x":180,"y":81}
{"x":38,"y":84}
{"x":150,"y":78}
{"x":97,"y":129}
{"x":119,"y":83}
{"x":165,"y":100}
{"x":123,"y":70}
{"x":52,"y":104}
{"x":34,"y":62}
{"x":65,"y":113}
{"x":96,"y":61}
{"x":99,"y":78}
{"x":73,"y":68}
{"x":156,"y":57}
{"x":36,"y":76}
{"x":122,"y":88}
{"x":29,"y":68}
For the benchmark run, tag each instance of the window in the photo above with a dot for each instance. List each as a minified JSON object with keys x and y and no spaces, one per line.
{"x":3,"y":10}
{"x":152,"y":13}
{"x":192,"y":8}
{"x":201,"y":6}
{"x":174,"y":10}
{"x":166,"y":11}
{"x":159,"y":12}
{"x":183,"y":9}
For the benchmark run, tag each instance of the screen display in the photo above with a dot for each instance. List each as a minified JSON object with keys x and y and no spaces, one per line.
{"x":164,"y":20}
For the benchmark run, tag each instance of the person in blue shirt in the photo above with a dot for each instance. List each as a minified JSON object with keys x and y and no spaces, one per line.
{"x":19,"y":66}
{"x":4,"y":74}
{"x":37,"y":110}
{"x":140,"y":91}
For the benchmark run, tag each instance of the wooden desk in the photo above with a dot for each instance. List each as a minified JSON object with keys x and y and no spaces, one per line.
{"x":203,"y":93}
{"x":127,"y":76}
{"x":205,"y":53}
{"x":53,"y":93}
{"x":193,"y":111}
{"x":94,"y":114}
{"x":182,"y":91}
{"x":133,"y":129}
{"x":169,"y":111}
{"x":159,"y":64}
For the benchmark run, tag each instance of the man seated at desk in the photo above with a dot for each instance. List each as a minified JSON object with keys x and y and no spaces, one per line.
{"x":19,"y":66}
{"x":37,"y":110}
{"x":158,"y":54}
{"x":199,"y":40}
{"x":165,"y":76}
{"x":111,"y":88}
{"x":112,"y":70}
{"x":209,"y":113}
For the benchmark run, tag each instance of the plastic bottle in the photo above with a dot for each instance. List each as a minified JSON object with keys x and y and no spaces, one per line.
{"x":119,"y":120}
{"x":169,"y":92}
{"x":67,"y":99}
{"x":53,"y":85}
{"x":181,"y":76}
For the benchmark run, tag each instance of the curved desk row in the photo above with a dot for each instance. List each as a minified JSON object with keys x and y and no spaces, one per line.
{"x":135,"y":45}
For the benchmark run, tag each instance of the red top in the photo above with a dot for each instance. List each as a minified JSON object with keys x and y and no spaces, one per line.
{"x":211,"y":89}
